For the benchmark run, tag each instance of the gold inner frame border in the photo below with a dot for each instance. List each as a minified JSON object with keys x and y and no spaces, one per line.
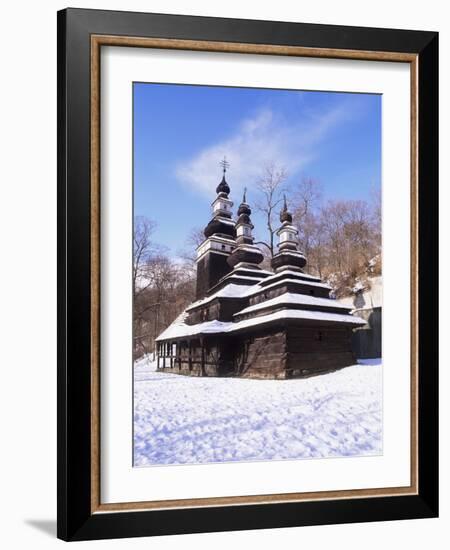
{"x":97,"y":41}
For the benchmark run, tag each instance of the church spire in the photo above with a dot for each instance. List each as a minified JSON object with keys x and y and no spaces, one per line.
{"x":285,"y":215}
{"x":288,"y":257}
{"x":244,"y":224}
{"x":222,"y":223}
{"x":220,"y":233}
{"x":245,"y":252}
{"x":223,"y":186}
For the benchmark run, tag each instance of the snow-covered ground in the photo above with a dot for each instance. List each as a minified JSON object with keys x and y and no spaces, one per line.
{"x":181,"y":419}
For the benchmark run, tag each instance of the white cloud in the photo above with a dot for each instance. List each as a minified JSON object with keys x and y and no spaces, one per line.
{"x":258,"y":140}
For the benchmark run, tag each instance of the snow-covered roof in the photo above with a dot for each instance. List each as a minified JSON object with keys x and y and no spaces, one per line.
{"x":286,"y":271}
{"x":290,"y":253}
{"x":287,"y":314}
{"x":291,"y":298}
{"x":248,"y":248}
{"x":232,"y":290}
{"x":179,"y":329}
{"x":260,"y":288}
{"x":228,"y":221}
{"x":256,"y":271}
{"x":245,"y":277}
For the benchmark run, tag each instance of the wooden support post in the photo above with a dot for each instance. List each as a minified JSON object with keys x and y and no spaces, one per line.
{"x":190,"y":354}
{"x":203,"y":356}
{"x":158,"y":349}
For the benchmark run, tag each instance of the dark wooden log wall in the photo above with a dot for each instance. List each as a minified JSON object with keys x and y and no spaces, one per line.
{"x":210,"y":269}
{"x":221,"y":309}
{"x":276,"y":353}
{"x":313,"y":350}
{"x":194,"y":358}
{"x":265,"y":295}
{"x":263,"y":356}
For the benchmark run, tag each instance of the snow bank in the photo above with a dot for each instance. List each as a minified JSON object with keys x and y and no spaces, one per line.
{"x":145,"y":364}
{"x":184,"y":420}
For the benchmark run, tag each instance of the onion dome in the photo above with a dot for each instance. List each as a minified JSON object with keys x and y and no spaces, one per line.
{"x":246,"y":252}
{"x":221,"y":223}
{"x":244,"y":208}
{"x":292,"y":259}
{"x":244,"y":212}
{"x":223,"y":187}
{"x":288,"y":256}
{"x":220,"y":226}
{"x":285,"y":215}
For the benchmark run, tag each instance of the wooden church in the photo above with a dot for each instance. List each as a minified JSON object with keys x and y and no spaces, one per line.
{"x":253,"y":323}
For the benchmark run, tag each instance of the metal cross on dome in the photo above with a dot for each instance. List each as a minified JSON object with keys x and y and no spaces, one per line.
{"x":225,"y":164}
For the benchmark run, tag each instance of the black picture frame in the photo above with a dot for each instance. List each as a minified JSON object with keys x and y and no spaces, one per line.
{"x":75,"y":518}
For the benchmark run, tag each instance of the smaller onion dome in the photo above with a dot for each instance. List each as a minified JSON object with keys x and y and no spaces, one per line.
{"x":244,"y":208}
{"x":288,"y":258}
{"x":245,"y":252}
{"x":285,"y":215}
{"x":244,"y":219}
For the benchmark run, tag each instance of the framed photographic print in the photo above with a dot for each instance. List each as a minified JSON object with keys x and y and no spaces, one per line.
{"x":247,"y":274}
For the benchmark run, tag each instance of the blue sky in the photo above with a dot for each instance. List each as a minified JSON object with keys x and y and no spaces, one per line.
{"x":182,"y":132}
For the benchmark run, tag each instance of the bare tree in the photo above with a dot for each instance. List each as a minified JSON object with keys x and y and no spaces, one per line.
{"x":349,"y":242}
{"x":143,"y":248}
{"x":340,"y":239}
{"x":189,"y":253}
{"x":375,"y":196}
{"x":162,"y":287}
{"x":271,"y":187}
{"x":306,"y":198}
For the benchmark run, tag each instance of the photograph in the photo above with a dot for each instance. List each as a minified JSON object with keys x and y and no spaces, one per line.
{"x":257,"y":274}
